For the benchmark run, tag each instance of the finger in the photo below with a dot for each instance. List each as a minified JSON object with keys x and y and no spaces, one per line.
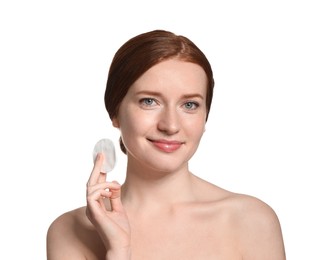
{"x":115,"y":198}
{"x":102,"y":186}
{"x":95,"y":203}
{"x":96,"y":175}
{"x":102,"y":175}
{"x":97,"y":198}
{"x":96,"y":192}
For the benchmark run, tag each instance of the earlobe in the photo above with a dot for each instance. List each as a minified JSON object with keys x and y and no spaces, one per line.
{"x":115,"y":122}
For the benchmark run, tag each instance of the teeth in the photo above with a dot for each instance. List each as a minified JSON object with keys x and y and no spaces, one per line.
{"x":106,"y":147}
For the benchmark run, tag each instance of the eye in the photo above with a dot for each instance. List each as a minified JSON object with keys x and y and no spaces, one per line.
{"x":190,"y":105}
{"x":147,"y":102}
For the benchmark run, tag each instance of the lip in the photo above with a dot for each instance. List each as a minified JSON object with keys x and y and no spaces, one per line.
{"x":167,"y":146}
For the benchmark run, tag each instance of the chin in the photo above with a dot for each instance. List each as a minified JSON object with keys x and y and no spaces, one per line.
{"x":167,"y":165}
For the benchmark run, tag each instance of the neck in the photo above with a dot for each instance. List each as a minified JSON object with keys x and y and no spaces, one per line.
{"x":151,"y":188}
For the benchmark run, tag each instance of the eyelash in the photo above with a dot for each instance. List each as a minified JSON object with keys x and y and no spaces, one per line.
{"x":143,"y":101}
{"x":193,"y":103}
{"x":148,"y":102}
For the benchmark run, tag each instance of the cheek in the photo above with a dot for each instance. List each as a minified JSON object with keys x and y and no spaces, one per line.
{"x":132,"y":122}
{"x":127,"y":122}
{"x":195,"y":127}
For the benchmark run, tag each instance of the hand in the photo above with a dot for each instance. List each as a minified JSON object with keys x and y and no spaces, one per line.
{"x":105,"y":210}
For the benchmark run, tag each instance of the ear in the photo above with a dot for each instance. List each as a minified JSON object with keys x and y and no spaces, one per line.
{"x":115,"y":122}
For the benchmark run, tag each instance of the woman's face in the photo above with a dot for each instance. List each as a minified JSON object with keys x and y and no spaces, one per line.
{"x":162,"y":116}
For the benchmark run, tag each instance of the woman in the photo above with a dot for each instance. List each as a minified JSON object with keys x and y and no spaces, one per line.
{"x":159,"y":94}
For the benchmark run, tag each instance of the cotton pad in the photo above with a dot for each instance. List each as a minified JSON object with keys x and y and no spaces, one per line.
{"x":106,"y":147}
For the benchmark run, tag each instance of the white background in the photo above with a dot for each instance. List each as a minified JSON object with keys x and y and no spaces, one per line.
{"x":267,"y":134}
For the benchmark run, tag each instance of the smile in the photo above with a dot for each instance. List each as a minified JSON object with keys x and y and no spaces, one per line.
{"x":166,"y":145}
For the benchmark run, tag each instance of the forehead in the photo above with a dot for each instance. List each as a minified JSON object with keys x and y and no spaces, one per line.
{"x":184,"y":76}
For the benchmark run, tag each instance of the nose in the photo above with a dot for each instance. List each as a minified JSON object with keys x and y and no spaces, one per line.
{"x":169,"y":121}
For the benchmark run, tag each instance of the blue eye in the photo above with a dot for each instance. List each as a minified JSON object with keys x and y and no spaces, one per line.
{"x":147,"y":101}
{"x":191,"y":105}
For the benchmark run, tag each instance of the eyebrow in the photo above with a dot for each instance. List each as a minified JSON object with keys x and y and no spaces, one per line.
{"x":154,"y":93}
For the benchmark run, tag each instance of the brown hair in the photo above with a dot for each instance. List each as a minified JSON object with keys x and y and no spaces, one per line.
{"x":142,"y":52}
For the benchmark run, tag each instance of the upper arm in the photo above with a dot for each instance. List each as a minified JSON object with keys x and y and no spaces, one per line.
{"x":261,"y":233}
{"x":61,"y":241}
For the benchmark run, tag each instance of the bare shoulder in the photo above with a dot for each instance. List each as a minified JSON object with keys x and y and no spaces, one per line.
{"x":68,"y":219}
{"x":242,"y":207}
{"x":247,"y":220}
{"x":257,"y":227}
{"x":72,"y":236}
{"x":252,"y":208}
{"x":249,"y":212}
